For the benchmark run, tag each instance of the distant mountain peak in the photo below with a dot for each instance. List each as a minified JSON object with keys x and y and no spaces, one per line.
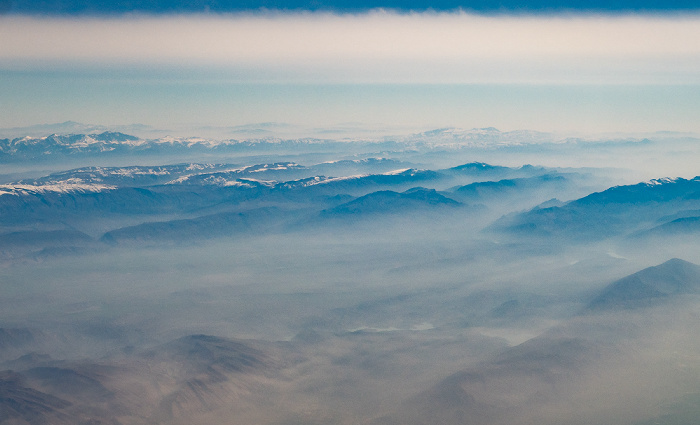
{"x":677,"y":262}
{"x":475,"y":166}
{"x":113,"y":136}
{"x":649,"y":286}
{"x":388,"y":201}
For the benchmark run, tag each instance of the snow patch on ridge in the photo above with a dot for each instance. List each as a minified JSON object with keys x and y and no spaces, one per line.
{"x":68,"y":186}
{"x":663,"y":180}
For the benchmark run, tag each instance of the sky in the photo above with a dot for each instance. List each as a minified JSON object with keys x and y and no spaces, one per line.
{"x":103,"y":7}
{"x":578,"y":69}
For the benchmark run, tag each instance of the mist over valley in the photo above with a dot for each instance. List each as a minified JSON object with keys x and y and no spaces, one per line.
{"x":449,"y":276}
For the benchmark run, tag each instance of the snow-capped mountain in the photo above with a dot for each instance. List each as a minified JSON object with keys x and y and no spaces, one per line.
{"x":114,"y":143}
{"x":478,"y":137}
{"x":111,"y":144}
{"x":203,"y":200}
{"x":620,"y":210}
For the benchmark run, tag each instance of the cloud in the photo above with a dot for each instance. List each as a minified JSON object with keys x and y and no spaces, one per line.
{"x":372,"y":47}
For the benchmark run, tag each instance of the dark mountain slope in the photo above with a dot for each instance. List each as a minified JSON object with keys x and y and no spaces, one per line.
{"x":481,"y":171}
{"x":684,"y":226}
{"x":617,"y":211}
{"x":211,"y":355}
{"x":20,"y":404}
{"x":390,"y":202}
{"x":177,"y":380}
{"x":649,"y":286}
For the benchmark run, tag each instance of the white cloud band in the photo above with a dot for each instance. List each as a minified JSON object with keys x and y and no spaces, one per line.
{"x":373,"y":47}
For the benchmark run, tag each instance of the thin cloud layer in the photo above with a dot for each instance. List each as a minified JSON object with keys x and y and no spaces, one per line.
{"x":373,"y":47}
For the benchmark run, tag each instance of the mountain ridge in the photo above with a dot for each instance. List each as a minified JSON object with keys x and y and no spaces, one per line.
{"x":649,"y":286}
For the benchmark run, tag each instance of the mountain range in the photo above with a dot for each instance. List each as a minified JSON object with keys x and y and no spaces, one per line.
{"x":81,"y":208}
{"x":274,"y":281}
{"x":618,"y":211}
{"x":186,"y":199}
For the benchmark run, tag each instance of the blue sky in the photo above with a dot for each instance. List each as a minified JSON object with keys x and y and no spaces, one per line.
{"x":569,"y":72}
{"x":227,"y":6}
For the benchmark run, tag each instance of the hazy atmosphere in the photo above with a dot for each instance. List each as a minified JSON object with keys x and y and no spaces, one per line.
{"x":332,"y":213}
{"x":586,"y":73}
